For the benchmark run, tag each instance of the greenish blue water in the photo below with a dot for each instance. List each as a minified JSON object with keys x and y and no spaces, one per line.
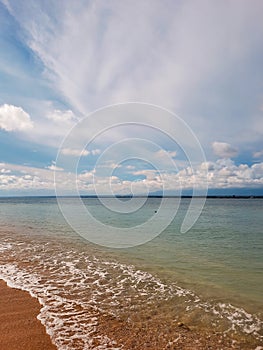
{"x":223,"y":250}
{"x":219,"y":260}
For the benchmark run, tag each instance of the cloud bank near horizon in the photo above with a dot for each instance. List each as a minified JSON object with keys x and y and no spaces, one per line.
{"x":223,"y":174}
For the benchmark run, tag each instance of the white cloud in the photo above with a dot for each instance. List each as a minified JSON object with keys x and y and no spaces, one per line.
{"x":5,"y":171}
{"x":162,"y":153}
{"x":79,"y":153}
{"x":20,"y":178}
{"x":75,"y":152}
{"x":14,"y":118}
{"x":20,"y":182}
{"x":95,"y":152}
{"x":130,"y":167}
{"x":108,"y":164}
{"x":86,"y":177}
{"x":59,"y":116}
{"x":149,"y":174}
{"x":222,"y":174}
{"x":53,"y":167}
{"x":50,"y":124}
{"x":224,"y":150}
{"x":258,"y":154}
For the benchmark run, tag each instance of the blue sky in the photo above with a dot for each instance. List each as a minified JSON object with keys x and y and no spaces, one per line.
{"x":62,"y":60}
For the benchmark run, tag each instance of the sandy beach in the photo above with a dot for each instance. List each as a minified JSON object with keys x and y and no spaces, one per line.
{"x":19,"y":326}
{"x":20,"y":329}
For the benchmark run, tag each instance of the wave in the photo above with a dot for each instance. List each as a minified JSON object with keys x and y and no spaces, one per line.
{"x":76,"y":289}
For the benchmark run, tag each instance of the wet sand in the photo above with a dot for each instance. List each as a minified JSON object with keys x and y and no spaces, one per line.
{"x":158,"y":333}
{"x":19,"y":326}
{"x":20,"y":329}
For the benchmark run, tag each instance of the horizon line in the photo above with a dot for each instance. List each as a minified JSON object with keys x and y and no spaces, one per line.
{"x":134,"y":196}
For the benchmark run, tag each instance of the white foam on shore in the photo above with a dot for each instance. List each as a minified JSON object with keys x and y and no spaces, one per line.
{"x":75,"y":289}
{"x":58,"y":314}
{"x":73,"y":298}
{"x":5,"y":246}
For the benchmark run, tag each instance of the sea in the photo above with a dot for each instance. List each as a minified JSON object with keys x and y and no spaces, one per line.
{"x":208,"y":278}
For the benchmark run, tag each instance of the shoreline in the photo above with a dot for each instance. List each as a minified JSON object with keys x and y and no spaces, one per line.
{"x":19,"y":326}
{"x":21,"y":330}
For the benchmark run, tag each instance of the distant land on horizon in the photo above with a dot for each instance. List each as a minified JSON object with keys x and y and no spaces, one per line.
{"x":226,"y":196}
{"x":211,"y":193}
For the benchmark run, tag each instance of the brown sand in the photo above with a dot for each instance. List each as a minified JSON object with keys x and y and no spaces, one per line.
{"x":19,"y":326}
{"x":155,"y":331}
{"x":21,"y":330}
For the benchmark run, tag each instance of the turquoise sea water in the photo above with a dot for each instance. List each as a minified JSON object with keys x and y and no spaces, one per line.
{"x":209,"y":276}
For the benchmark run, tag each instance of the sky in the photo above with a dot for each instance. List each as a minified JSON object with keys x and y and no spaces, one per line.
{"x":153,"y":95}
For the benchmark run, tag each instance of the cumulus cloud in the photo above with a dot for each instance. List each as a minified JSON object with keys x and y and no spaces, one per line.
{"x":221,"y":174}
{"x":149,"y":174}
{"x":5,"y":171}
{"x":14,"y":118}
{"x":24,"y":178}
{"x":25,"y":182}
{"x":224,"y":150}
{"x":226,"y":174}
{"x":19,"y":178}
{"x":86,"y":176}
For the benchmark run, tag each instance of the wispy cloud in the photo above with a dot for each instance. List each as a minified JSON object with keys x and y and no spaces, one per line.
{"x":59,"y":116}
{"x":97,"y":54}
{"x":79,"y":153}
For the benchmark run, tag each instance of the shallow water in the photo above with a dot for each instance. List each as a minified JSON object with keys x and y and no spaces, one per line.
{"x":209,"y":277}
